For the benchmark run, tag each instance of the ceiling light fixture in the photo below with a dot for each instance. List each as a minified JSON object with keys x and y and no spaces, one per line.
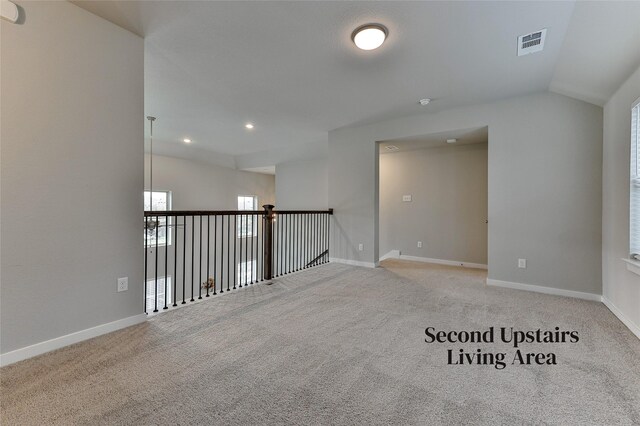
{"x":249,"y":126}
{"x":424,"y":102}
{"x":369,"y":36}
{"x":452,"y":140}
{"x":186,"y":140}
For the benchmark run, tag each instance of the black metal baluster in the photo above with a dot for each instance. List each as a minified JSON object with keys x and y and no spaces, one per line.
{"x":261,"y":257}
{"x":228,"y":252}
{"x":290,"y":244}
{"x":246,"y":251}
{"x":235,"y":241}
{"x":146,"y":227}
{"x":239,"y":264}
{"x":175,"y":261}
{"x":222,"y":262}
{"x":328,"y":234}
{"x":157,"y":227}
{"x":280,"y":251}
{"x":184,"y":259}
{"x":215,"y":249}
{"x":298,"y":240}
{"x":253,"y":235}
{"x":200,"y":261}
{"x":307,"y":239}
{"x":166,"y":258}
{"x":193,"y":253}
{"x":208,"y":258}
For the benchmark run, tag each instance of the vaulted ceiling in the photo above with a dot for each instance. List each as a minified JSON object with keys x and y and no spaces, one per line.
{"x":291,"y":68}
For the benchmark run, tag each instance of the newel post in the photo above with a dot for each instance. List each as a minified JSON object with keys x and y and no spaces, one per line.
{"x":268,"y":240}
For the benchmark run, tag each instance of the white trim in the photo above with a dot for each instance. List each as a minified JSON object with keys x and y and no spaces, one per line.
{"x":69,"y":339}
{"x":444,"y":262}
{"x":632,"y":266}
{"x":546,"y":290}
{"x":395,"y":254}
{"x":353,"y":262}
{"x":635,"y":329}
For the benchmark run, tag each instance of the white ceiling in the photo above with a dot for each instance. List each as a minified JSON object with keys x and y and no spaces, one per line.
{"x":291,"y":68}
{"x":434,"y":140}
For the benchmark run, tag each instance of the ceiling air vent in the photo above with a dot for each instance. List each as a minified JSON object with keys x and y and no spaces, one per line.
{"x":391,"y":148}
{"x":531,"y":43}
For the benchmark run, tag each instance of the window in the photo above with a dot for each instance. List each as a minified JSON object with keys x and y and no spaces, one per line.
{"x":247,"y":224}
{"x":634,"y":190}
{"x":159,"y":201}
{"x":151,"y":293}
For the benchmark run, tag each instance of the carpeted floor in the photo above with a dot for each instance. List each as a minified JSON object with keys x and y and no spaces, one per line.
{"x":338,"y":345}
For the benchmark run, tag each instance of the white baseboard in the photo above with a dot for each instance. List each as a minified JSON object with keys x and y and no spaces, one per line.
{"x":353,"y":262}
{"x":69,"y":339}
{"x":545,"y":290}
{"x":395,"y":254}
{"x":635,"y":329}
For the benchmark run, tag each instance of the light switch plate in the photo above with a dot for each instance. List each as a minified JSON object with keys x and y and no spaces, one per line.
{"x":522,"y":263}
{"x":360,"y":247}
{"x":419,"y":244}
{"x":406,"y":198}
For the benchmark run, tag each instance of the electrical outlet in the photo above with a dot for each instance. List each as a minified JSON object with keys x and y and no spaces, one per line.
{"x":419,"y":244}
{"x":360,"y":247}
{"x":123,"y":284}
{"x":406,"y":198}
{"x":522,"y":263}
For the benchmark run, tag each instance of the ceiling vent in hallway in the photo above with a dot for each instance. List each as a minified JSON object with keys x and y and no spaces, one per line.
{"x":391,"y":148}
{"x":531,"y":43}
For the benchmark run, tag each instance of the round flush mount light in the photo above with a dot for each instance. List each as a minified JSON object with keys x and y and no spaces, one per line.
{"x":369,"y":36}
{"x":186,"y":140}
{"x":249,"y":126}
{"x":452,"y":140}
{"x":424,"y":102}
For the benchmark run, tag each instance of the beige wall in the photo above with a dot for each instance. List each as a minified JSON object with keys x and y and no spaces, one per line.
{"x":302,"y":184}
{"x":71,"y":173}
{"x":448,"y":187}
{"x":203,"y":186}
{"x":621,"y":288}
{"x":545,"y":180}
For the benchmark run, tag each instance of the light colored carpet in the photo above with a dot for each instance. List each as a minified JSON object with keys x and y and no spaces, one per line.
{"x":337,"y":345}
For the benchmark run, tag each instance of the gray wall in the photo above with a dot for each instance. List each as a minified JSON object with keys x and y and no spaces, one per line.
{"x":71,"y":172}
{"x":545,"y":174}
{"x":448,"y":210}
{"x":302,"y":184}
{"x":203,"y":186}
{"x":620,"y":286}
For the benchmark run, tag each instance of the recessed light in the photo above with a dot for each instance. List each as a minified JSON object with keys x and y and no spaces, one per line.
{"x":452,"y":140}
{"x":249,"y":126}
{"x":369,"y":36}
{"x":424,"y":102}
{"x":186,"y":140}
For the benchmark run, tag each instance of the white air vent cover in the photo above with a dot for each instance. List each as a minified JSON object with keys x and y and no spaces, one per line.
{"x":531,"y":43}
{"x":391,"y":148}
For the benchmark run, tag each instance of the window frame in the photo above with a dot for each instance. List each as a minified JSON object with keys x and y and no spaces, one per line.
{"x":168,"y":240}
{"x":634,"y":182}
{"x":250,"y":219}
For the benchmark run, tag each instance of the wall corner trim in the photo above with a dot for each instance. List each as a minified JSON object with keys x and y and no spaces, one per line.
{"x":69,"y":339}
{"x":545,"y":290}
{"x":353,"y":262}
{"x":635,"y":328}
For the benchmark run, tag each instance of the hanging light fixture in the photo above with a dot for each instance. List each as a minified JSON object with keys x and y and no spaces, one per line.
{"x":151,"y":225}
